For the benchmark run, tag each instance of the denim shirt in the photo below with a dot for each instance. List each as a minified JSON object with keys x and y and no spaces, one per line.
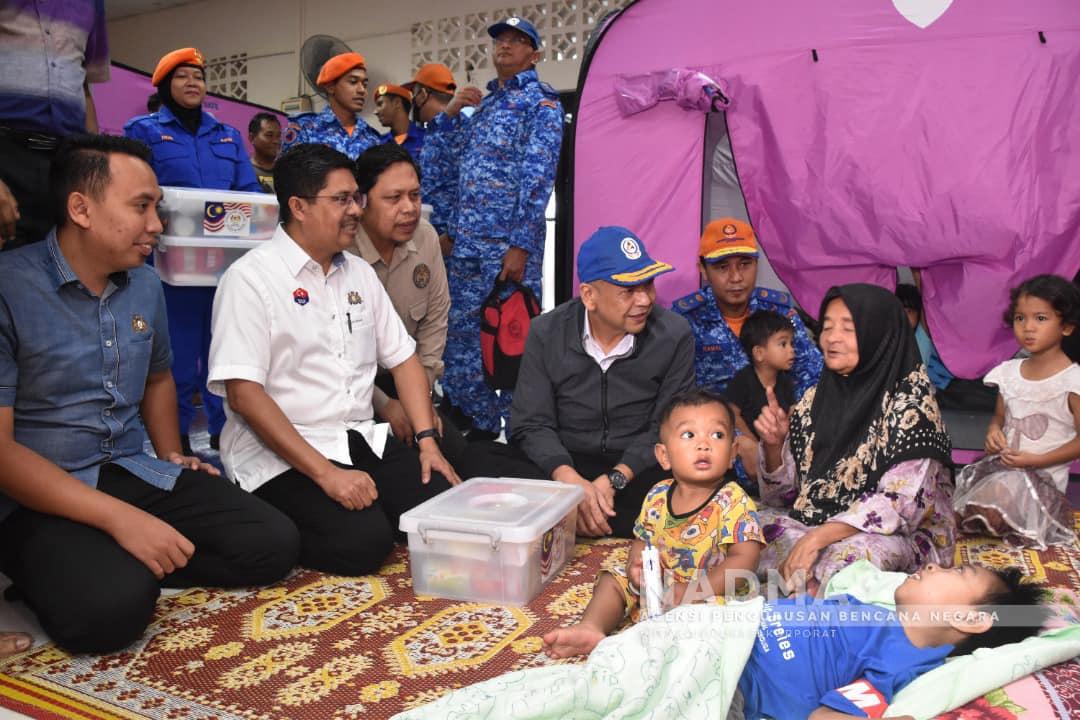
{"x":74,"y":366}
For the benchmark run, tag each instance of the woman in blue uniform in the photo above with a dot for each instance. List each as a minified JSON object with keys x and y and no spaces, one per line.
{"x":191,"y":148}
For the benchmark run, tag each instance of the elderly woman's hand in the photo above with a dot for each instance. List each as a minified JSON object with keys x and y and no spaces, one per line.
{"x":804,"y":553}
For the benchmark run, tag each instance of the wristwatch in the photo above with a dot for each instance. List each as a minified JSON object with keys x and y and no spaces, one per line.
{"x":617,"y":478}
{"x":429,"y":433}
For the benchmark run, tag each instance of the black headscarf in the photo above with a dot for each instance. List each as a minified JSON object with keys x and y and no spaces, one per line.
{"x":849,"y":431}
{"x":190,"y":118}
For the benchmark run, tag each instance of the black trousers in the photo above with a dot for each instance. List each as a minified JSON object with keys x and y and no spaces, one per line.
{"x":26,"y":173}
{"x":353,"y":542}
{"x":91,"y":595}
{"x":497,"y":460}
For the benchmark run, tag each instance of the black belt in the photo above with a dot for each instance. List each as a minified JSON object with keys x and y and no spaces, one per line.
{"x":42,"y":142}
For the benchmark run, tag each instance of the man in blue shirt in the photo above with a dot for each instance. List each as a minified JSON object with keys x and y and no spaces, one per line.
{"x":728,"y":252}
{"x":433,"y":88}
{"x":393,"y":103}
{"x":502,"y":161}
{"x":345,"y":79}
{"x":90,"y":524}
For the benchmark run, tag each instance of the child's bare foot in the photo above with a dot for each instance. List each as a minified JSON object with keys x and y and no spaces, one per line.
{"x":574,"y":640}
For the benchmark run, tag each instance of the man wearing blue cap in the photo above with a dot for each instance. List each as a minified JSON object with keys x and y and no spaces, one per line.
{"x":596,"y":373}
{"x":501,"y":165}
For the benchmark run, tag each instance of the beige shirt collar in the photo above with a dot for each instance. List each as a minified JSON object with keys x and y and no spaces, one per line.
{"x":366,"y":249}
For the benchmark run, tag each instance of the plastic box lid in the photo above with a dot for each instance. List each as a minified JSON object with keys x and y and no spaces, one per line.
{"x":507,"y":509}
{"x":183,"y":193}
{"x":228,"y":243}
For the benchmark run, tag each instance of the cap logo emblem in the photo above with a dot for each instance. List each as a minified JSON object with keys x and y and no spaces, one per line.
{"x":513,"y":22}
{"x":630,"y":248}
{"x":199,"y":58}
{"x":381,"y":90}
{"x":728,"y":230}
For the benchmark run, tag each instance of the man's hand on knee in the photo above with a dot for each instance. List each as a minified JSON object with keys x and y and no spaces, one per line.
{"x":352,"y":489}
{"x":153,"y":542}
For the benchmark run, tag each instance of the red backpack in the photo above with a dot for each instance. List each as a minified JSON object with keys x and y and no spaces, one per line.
{"x":504,"y":326}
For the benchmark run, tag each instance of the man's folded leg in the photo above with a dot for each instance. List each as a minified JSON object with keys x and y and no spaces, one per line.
{"x":333,"y":539}
{"x":89,"y":594}
{"x":239,"y":539}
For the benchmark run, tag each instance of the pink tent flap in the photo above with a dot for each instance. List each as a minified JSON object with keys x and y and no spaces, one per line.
{"x":868,"y":134}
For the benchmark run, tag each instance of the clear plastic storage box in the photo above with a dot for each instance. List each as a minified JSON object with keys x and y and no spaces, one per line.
{"x":197,"y":261}
{"x":492,"y":539}
{"x":196,"y":213}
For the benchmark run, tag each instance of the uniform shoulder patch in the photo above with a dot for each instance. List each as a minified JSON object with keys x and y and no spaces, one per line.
{"x":776,"y":297}
{"x":292,"y":131}
{"x":549,"y":103}
{"x":689,"y":303}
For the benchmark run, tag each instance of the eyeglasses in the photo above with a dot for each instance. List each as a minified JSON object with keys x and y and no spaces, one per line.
{"x":512,"y":38}
{"x":342,"y":200}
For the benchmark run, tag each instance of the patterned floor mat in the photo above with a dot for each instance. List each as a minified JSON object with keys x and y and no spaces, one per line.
{"x":326,"y":647}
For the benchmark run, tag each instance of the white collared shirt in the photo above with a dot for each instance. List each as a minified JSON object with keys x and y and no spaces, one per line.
{"x":604,"y":359}
{"x":314,"y":341}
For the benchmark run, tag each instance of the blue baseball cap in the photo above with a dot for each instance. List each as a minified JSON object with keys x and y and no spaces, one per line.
{"x":516,"y":23}
{"x":618,"y":256}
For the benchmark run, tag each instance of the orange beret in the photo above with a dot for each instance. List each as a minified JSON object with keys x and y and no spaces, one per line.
{"x":393,"y":90}
{"x":338,"y":65}
{"x":183,"y":56}
{"x":435,"y":76}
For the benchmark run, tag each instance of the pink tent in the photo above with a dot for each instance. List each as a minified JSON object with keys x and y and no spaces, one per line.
{"x":866,"y":134}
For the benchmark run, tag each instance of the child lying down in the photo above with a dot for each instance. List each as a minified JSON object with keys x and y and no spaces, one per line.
{"x":790,"y":658}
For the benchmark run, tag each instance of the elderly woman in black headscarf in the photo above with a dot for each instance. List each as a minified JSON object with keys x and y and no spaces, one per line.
{"x":861,"y":466}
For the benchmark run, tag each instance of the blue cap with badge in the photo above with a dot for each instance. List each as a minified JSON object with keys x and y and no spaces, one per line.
{"x":618,"y":256}
{"x":521,"y":25}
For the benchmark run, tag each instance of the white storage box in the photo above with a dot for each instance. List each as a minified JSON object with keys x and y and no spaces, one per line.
{"x":190,"y":212}
{"x":197,"y":261}
{"x":492,"y":539}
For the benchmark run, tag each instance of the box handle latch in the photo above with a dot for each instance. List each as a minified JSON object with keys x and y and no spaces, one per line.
{"x":493,"y":536}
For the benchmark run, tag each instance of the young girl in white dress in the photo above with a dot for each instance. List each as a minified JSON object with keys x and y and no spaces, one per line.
{"x":1017,"y":491}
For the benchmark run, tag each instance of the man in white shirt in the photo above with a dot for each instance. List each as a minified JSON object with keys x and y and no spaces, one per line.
{"x":300,"y":328}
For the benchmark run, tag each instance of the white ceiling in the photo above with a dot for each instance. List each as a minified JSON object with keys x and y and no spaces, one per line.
{"x":116,"y":9}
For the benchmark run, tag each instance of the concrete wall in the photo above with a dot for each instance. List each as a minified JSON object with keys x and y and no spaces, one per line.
{"x":272,"y":31}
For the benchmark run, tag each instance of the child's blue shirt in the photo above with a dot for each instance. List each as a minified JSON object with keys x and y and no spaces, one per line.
{"x":840,"y":653}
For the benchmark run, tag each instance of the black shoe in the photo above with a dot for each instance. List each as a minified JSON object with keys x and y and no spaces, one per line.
{"x":215,"y":442}
{"x":185,"y":445}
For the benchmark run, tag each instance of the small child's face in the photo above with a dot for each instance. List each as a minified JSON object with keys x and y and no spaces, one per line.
{"x":961,"y":586}
{"x":779,"y":351}
{"x":1037,"y":325}
{"x":695,"y":444}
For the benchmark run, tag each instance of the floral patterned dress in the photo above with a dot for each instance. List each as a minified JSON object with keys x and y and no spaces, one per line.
{"x":907,"y":523}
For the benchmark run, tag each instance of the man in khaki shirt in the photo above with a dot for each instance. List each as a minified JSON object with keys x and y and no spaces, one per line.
{"x":404,"y":251}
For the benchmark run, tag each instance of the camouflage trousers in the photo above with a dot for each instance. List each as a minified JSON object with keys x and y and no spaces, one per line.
{"x":471,"y":281}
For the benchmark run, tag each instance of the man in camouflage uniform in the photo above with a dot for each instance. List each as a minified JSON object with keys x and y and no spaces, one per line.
{"x":339,"y":124}
{"x":433,"y":88}
{"x":502,"y":163}
{"x":728,"y":254}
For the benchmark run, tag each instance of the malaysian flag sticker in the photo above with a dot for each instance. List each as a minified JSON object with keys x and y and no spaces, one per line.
{"x":231,"y":219}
